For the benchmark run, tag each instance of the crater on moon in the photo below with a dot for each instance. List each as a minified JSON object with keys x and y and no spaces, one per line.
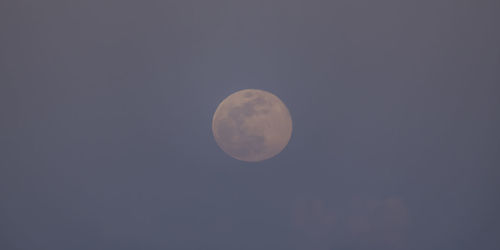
{"x":252,"y":125}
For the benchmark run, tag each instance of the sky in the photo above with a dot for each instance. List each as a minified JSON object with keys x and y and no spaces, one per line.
{"x":106,"y":109}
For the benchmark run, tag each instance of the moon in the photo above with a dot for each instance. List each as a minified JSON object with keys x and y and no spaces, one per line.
{"x":252,"y":125}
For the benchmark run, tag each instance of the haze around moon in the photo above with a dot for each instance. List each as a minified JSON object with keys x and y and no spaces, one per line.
{"x":252,"y":125}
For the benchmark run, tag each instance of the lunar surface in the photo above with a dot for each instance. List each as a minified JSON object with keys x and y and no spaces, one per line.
{"x":252,"y":125}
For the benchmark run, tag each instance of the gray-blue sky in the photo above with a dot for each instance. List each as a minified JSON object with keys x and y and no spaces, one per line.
{"x":106,"y":111}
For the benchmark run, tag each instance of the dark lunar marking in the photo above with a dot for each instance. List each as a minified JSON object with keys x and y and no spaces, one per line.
{"x":249,"y":146}
{"x":248,"y":109}
{"x":234,"y":139}
{"x":237,"y":142}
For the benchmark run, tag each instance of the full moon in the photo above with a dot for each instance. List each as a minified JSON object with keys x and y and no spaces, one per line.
{"x":252,"y":125}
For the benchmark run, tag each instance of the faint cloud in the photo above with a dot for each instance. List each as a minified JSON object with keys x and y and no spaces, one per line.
{"x":361,"y":223}
{"x":313,"y":220}
{"x":380,"y":222}
{"x":312,"y":216}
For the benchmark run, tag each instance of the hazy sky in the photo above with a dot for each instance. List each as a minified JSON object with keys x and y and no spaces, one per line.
{"x":106,"y":108}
